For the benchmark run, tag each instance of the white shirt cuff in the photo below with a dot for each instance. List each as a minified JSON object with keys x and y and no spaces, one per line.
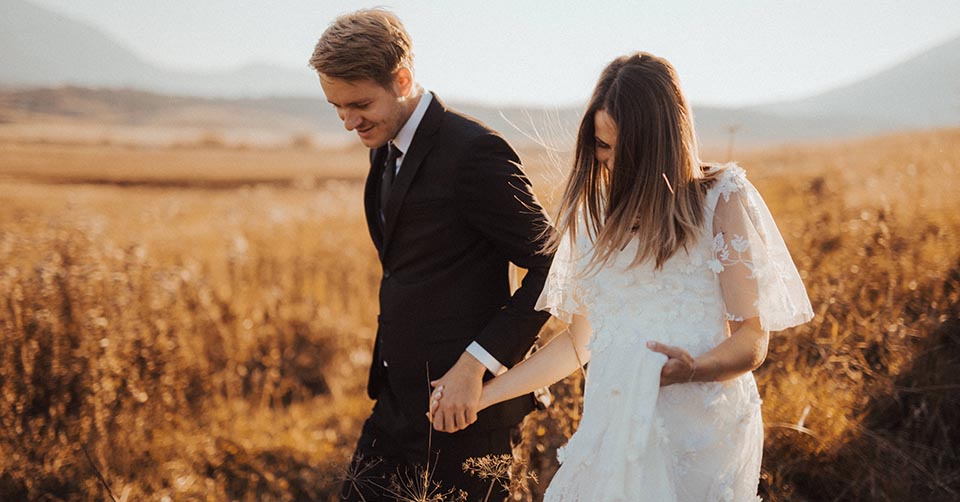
{"x":494,"y":366}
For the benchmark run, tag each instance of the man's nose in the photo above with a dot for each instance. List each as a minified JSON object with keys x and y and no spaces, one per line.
{"x":351,"y":120}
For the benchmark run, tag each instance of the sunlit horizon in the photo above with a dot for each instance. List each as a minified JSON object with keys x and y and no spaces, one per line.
{"x":549,"y":53}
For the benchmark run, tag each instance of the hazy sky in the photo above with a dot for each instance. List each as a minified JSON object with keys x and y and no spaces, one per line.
{"x":730,"y":52}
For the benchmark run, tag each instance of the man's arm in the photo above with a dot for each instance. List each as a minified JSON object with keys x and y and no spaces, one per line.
{"x":497,"y":199}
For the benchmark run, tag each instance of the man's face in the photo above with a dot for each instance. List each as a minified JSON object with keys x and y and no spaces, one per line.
{"x":375,"y":112}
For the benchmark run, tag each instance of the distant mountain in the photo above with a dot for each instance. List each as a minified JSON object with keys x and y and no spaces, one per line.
{"x":43,"y":48}
{"x":277,"y":115}
{"x":39,"y":48}
{"x":921,"y":92}
{"x":133,"y":107}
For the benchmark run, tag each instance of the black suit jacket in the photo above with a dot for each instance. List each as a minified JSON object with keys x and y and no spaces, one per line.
{"x":460,"y":210}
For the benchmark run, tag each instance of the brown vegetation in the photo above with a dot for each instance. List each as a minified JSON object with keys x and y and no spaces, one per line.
{"x":195,"y":324}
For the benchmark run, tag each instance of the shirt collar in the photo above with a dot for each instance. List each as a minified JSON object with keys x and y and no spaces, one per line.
{"x":405,"y":137}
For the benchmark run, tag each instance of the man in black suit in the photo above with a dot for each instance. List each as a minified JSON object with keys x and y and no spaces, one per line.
{"x":448,"y":208}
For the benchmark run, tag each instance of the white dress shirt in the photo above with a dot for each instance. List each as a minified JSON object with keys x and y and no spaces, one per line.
{"x":403,"y":141}
{"x":405,"y":137}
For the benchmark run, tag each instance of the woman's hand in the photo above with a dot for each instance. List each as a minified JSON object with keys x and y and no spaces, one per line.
{"x":435,"y":398}
{"x":680,"y":366}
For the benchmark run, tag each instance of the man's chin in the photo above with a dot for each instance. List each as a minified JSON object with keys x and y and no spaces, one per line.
{"x":372,"y":142}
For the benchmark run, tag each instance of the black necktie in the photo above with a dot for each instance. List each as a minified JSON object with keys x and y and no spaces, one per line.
{"x":386,"y":182}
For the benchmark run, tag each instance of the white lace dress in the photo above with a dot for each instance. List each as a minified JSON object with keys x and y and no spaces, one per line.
{"x":686,"y":442}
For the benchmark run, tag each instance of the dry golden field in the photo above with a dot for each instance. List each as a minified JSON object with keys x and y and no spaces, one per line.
{"x":195,"y":322}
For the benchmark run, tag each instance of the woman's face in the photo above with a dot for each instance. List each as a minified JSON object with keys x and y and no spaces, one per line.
{"x":606,"y":138}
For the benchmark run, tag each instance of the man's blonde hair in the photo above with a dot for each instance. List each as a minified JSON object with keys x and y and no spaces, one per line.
{"x":366,"y":44}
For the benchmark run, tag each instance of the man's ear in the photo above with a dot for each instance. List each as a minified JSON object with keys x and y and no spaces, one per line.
{"x":403,"y":82}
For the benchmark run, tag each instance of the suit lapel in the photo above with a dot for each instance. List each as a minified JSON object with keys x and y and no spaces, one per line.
{"x":421,"y":145}
{"x":371,"y":196}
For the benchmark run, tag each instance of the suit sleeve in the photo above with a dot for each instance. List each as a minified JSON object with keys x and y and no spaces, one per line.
{"x":497,"y":200}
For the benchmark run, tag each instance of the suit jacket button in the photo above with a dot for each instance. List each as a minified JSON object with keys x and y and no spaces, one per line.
{"x":386,"y":274}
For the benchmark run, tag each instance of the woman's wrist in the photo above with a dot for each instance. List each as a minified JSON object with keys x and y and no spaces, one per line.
{"x":693,"y":371}
{"x":484,"y":401}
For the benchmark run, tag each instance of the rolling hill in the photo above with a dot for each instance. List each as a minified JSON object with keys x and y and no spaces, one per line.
{"x":80,"y":72}
{"x":41,"y":48}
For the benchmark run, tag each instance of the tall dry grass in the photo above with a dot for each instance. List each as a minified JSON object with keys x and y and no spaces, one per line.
{"x":198,"y":344}
{"x":210,"y":342}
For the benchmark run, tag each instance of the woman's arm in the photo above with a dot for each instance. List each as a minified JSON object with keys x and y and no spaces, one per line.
{"x":745,"y":350}
{"x":562,"y":355}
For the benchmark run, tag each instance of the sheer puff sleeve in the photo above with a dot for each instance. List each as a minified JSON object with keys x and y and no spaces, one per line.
{"x":563,"y":294}
{"x":757,"y":275}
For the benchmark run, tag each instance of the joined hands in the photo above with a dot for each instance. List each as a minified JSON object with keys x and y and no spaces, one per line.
{"x":455,"y":399}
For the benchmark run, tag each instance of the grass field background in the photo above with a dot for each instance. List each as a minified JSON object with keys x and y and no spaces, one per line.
{"x":194,"y":321}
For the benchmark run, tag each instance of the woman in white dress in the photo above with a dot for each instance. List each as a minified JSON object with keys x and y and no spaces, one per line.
{"x":671,"y":276}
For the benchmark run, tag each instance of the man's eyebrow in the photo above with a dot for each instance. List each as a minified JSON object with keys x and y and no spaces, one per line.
{"x":352,"y":103}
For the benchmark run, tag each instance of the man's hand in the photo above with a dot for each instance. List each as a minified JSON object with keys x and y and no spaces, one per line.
{"x":457,"y":395}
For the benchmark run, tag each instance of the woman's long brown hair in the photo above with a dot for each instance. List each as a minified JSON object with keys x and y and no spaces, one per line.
{"x":654,"y":191}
